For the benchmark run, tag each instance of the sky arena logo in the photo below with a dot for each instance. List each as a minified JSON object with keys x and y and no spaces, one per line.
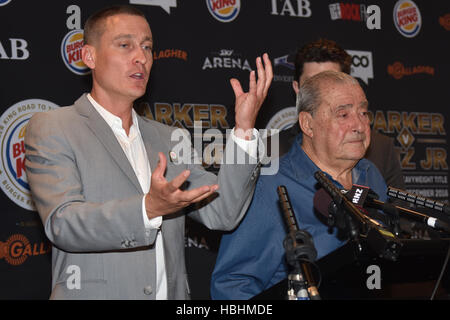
{"x":226,"y":59}
{"x":224,"y":10}
{"x":13,"y":122}
{"x":71,"y":52}
{"x":407,"y":18}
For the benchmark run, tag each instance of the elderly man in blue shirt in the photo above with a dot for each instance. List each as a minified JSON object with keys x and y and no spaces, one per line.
{"x":333,"y":117}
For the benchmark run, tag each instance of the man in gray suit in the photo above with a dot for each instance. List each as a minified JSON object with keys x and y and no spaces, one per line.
{"x":111,"y":203}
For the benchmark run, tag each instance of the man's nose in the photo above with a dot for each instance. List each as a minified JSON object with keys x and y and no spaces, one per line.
{"x":140,"y":56}
{"x":359,"y":123}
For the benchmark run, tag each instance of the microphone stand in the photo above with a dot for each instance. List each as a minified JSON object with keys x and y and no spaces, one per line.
{"x":300,"y":251}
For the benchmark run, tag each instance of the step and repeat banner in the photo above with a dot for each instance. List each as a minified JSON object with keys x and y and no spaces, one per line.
{"x":400,"y":53}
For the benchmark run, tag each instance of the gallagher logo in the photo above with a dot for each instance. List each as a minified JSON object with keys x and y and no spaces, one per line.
{"x":397,"y":70}
{"x":71,"y":52}
{"x":224,"y":10}
{"x":13,"y":122}
{"x":18,"y":248}
{"x":407,"y":18}
{"x":170,"y":53}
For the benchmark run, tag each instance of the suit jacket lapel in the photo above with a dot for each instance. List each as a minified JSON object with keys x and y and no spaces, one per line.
{"x":106,"y":136}
{"x":151,"y":140}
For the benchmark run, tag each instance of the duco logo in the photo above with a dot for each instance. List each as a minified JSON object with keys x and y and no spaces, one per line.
{"x":362,"y":65}
{"x":360,"y":61}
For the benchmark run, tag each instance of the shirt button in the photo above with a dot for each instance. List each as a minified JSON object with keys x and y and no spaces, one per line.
{"x":148,"y":290}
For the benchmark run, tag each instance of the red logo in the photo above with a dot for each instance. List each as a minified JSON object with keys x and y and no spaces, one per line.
{"x":397,"y":70}
{"x":17,"y":249}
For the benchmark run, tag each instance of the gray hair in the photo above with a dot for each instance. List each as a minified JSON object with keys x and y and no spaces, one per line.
{"x":309,"y":95}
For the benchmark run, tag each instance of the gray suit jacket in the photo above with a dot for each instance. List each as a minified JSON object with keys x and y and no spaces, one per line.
{"x":90,"y":202}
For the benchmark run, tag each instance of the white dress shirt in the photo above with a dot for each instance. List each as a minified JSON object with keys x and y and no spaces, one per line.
{"x":134,"y":148}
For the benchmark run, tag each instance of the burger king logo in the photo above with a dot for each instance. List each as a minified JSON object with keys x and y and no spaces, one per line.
{"x":71,"y":52}
{"x":407,"y":18}
{"x":13,"y":122}
{"x":224,"y":10}
{"x":4,"y":2}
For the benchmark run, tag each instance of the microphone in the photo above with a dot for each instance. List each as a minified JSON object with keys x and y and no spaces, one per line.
{"x":363,"y":196}
{"x":338,"y":198}
{"x":418,"y":200}
{"x":380,"y":239}
{"x":360,"y":195}
{"x":299,"y":247}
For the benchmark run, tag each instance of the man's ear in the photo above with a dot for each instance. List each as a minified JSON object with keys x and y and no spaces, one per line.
{"x":88,"y":56}
{"x":306,"y":123}
{"x":295,"y":86}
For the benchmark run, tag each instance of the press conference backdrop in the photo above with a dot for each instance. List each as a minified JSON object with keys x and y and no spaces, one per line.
{"x":400,"y":53}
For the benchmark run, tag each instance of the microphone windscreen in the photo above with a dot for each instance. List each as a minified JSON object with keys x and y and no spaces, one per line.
{"x":322,"y":201}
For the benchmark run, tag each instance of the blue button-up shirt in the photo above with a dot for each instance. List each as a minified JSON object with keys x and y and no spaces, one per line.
{"x":251,"y":259}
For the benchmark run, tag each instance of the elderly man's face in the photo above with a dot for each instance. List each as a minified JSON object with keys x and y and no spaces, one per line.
{"x":341,"y":128}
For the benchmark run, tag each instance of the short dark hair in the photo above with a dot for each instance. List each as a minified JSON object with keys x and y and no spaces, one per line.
{"x":322,"y":50}
{"x":94,"y":28}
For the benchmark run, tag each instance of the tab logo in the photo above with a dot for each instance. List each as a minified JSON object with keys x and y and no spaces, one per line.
{"x":18,"y":50}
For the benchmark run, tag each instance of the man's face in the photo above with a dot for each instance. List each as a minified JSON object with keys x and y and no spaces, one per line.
{"x":312,"y":68}
{"x":122,"y":58}
{"x":340,"y":125}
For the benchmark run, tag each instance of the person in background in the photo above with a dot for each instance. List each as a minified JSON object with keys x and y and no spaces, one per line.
{"x":325,"y":54}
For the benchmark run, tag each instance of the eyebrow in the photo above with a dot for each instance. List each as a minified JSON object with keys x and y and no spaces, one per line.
{"x":364,"y":104}
{"x":130,"y":36}
{"x":343,"y":106}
